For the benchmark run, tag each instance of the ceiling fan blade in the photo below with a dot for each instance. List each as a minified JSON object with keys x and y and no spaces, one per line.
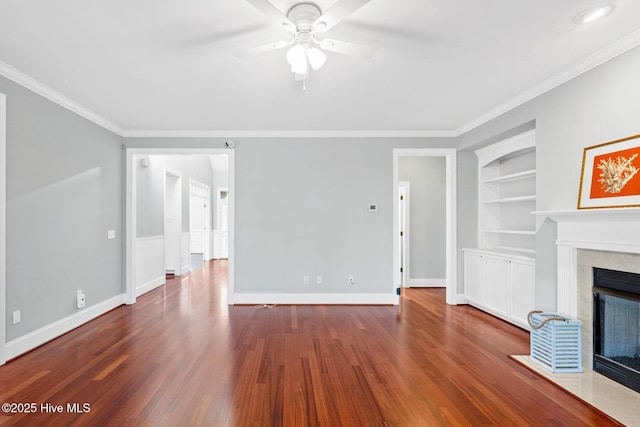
{"x":347,"y":48}
{"x":262,"y":49}
{"x":273,"y":13}
{"x":337,"y":13}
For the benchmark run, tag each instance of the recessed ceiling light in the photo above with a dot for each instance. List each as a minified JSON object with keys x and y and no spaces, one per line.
{"x":593,"y":14}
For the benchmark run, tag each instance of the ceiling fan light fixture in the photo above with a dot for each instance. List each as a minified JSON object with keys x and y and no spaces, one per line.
{"x":300,"y":68}
{"x":316,"y":57}
{"x":296,"y":55}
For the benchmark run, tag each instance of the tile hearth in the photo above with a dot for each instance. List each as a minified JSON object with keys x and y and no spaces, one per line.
{"x":617,"y":401}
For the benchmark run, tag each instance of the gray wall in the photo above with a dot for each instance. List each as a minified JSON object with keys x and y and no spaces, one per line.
{"x":64,"y":191}
{"x":301,"y":209}
{"x":599,"y":106}
{"x":150,"y":191}
{"x":427,"y":215}
{"x":467,"y":195}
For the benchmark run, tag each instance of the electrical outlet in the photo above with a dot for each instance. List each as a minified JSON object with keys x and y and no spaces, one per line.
{"x":319,"y":280}
{"x":351,"y":279}
{"x":80,"y":298}
{"x":305,"y":280}
{"x":17,"y":317}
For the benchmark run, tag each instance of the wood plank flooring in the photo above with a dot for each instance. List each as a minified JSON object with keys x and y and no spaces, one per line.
{"x":182,"y":357}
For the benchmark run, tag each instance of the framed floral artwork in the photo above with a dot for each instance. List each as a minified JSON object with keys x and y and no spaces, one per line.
{"x":611,"y":175}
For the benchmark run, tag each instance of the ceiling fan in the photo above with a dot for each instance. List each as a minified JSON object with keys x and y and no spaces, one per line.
{"x":306,"y":22}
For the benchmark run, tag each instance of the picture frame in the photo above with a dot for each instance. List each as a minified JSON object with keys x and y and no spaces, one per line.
{"x":610,"y":176}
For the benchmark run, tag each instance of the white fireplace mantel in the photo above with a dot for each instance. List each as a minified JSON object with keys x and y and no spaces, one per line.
{"x":614,"y":230}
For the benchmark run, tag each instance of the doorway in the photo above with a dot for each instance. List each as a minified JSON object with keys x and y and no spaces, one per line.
{"x":222,"y":226}
{"x":132,"y":252}
{"x":172,"y":222}
{"x":450,"y":245}
{"x":199,"y":223}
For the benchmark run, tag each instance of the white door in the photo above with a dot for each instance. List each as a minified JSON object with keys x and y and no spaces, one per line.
{"x":197,"y":224}
{"x":199,"y":219}
{"x":172,"y":222}
{"x":403,"y":191}
{"x":223,"y":222}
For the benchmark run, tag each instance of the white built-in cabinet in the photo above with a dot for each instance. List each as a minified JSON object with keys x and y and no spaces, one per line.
{"x":499,"y":275}
{"x":501,"y":285}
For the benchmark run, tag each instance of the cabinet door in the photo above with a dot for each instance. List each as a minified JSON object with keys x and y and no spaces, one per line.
{"x":497,"y":284}
{"x":474,"y":278}
{"x":522,"y":290}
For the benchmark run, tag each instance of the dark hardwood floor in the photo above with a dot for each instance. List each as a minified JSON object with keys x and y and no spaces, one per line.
{"x":182,"y":357}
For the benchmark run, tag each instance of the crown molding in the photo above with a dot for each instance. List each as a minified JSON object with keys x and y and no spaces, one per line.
{"x":288,"y":134}
{"x":33,"y":85}
{"x":606,"y":54}
{"x":603,"y":55}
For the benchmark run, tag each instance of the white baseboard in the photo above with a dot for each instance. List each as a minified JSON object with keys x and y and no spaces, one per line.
{"x":355,"y":299}
{"x":185,"y":269}
{"x":460,"y":299}
{"x":427,"y":283}
{"x":38,"y":337}
{"x":151,"y":285}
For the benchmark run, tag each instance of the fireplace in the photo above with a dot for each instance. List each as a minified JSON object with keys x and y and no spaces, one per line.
{"x":603,"y":238}
{"x":616,"y":324}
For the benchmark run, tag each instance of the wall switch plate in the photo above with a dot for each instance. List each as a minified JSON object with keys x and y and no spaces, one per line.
{"x":111,"y":234}
{"x":17,"y":317}
{"x":351,"y":279}
{"x":305,"y":280}
{"x":319,"y":280}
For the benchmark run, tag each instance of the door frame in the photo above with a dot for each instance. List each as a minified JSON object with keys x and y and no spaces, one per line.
{"x":133,"y":155}
{"x":3,"y":228}
{"x":404,"y":218}
{"x":451,"y":214}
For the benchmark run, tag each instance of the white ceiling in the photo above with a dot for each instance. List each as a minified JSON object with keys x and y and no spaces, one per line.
{"x":168,"y":64}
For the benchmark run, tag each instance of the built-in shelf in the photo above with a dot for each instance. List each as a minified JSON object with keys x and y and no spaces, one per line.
{"x":512,"y":199}
{"x":507,"y":194}
{"x":523,"y":232}
{"x":512,"y":177}
{"x":529,"y":253}
{"x":512,"y":253}
{"x":499,"y":275}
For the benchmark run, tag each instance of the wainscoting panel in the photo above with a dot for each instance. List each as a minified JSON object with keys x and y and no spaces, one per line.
{"x":149,"y":264}
{"x":185,"y":254}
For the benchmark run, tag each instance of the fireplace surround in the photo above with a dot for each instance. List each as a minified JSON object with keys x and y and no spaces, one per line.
{"x":605,"y":238}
